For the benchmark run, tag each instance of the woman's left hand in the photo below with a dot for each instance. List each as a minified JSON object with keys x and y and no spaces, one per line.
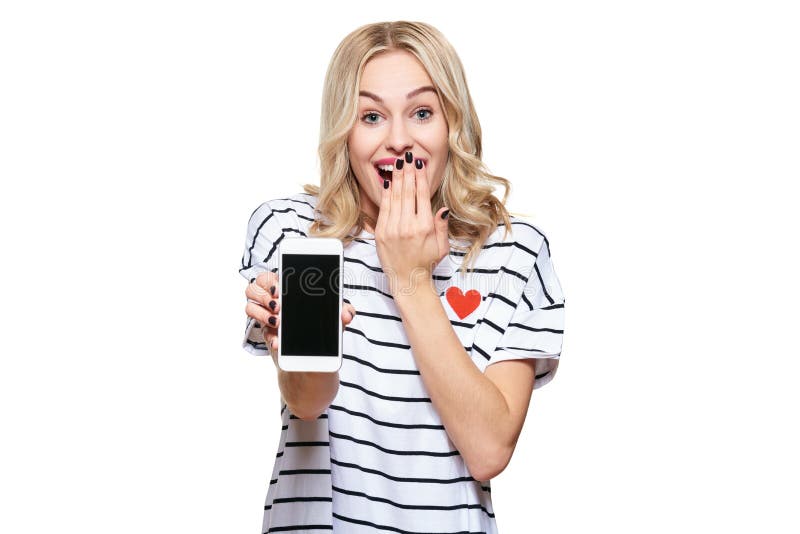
{"x":410,"y":240}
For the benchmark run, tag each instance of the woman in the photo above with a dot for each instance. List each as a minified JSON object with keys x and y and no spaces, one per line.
{"x":453,"y":314}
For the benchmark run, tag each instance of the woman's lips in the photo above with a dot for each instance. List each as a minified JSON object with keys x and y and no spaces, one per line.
{"x":392,"y":161}
{"x":389,"y":161}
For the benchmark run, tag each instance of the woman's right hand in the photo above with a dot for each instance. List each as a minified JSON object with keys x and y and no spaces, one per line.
{"x":263,"y":302}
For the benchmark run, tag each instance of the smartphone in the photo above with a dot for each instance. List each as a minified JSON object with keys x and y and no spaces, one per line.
{"x":310,"y":324}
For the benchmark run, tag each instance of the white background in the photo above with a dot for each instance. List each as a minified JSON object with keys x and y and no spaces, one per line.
{"x":656,"y":143}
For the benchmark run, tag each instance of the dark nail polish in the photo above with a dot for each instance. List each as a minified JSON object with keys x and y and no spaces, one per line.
{"x":272,"y":321}
{"x":445,"y":213}
{"x":272,"y":290}
{"x":385,"y":184}
{"x":398,"y":164}
{"x":252,"y":280}
{"x":272,"y":304}
{"x":409,"y":157}
{"x":418,"y":163}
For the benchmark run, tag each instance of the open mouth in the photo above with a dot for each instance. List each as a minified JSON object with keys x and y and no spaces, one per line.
{"x":385,"y":171}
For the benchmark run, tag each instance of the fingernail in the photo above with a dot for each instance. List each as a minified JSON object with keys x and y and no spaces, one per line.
{"x":445,"y":213}
{"x":271,"y":321}
{"x":272,"y":290}
{"x":385,"y":184}
{"x":398,"y":164}
{"x":252,"y":280}
{"x":272,"y":304}
{"x":418,"y":163}
{"x":409,"y":157}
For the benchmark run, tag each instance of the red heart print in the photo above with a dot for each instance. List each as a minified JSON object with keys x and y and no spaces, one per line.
{"x":463,"y":304}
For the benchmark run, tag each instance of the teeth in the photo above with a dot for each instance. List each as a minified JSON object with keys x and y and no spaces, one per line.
{"x":389,"y":168}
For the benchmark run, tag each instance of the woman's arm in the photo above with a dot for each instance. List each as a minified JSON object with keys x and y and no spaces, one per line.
{"x":307,"y":394}
{"x":473,"y":410}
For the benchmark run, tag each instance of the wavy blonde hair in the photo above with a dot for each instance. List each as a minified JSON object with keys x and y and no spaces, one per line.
{"x":467,"y":188}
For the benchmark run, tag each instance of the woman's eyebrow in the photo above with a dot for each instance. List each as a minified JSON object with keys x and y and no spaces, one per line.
{"x":413,"y":93}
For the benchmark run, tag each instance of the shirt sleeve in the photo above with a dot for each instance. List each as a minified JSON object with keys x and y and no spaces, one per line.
{"x":264,"y":234}
{"x":536,"y":328}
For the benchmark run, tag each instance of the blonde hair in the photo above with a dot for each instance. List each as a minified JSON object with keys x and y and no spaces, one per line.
{"x":467,"y":188}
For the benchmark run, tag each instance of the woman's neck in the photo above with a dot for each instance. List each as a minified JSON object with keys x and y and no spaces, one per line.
{"x":368,"y":224}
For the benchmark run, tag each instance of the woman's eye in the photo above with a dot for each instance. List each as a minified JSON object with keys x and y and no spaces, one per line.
{"x":423,"y":111}
{"x":367,"y":115}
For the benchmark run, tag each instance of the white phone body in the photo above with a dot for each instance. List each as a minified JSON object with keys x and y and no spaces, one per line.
{"x":310,"y":316}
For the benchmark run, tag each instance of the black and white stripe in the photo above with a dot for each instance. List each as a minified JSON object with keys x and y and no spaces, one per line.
{"x":379,"y":458}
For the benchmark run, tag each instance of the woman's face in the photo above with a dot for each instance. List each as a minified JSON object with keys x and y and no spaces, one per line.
{"x":391,"y":123}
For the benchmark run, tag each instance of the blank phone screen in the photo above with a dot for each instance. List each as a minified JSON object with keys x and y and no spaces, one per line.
{"x":310,"y":305}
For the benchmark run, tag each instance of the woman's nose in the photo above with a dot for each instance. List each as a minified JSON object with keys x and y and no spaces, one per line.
{"x":399,"y":139}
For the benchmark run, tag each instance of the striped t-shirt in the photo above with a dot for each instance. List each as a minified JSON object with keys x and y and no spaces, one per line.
{"x":379,"y":457}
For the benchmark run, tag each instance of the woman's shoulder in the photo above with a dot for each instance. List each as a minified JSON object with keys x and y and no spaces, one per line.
{"x":522,"y":233}
{"x":296,"y":203}
{"x":292,"y":211}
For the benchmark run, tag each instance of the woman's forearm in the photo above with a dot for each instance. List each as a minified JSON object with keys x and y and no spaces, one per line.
{"x":473,"y":410}
{"x":307,"y":394}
